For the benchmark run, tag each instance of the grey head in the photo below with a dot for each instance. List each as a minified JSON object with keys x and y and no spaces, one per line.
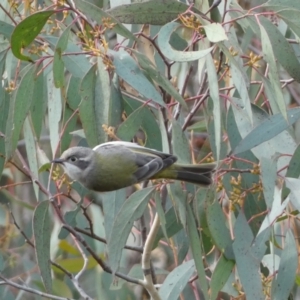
{"x":75,"y":161}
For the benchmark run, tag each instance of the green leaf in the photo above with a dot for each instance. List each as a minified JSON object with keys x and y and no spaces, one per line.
{"x":77,"y":65}
{"x":6,"y":29}
{"x":148,"y":123}
{"x":181,"y":145}
{"x":42,"y":234}
{"x":58,"y":65}
{"x":128,"y":129}
{"x":112,"y":203}
{"x":31,"y":155}
{"x":173,"y":225}
{"x":271,"y":59}
{"x":19,"y":108}
{"x":179,"y":200}
{"x":247,"y":265}
{"x":266,"y":130}
{"x":161,"y":213}
{"x":70,"y":219}
{"x":131,"y":210}
{"x":217,"y":226}
{"x":26,"y":31}
{"x":4,"y":111}
{"x":215,"y":32}
{"x":283,"y":51}
{"x":176,"y":281}
{"x":54,"y":112}
{"x":277,"y":209}
{"x":285,"y":279}
{"x":167,"y":50}
{"x":87,"y":108}
{"x":160,"y":79}
{"x":124,"y":65}
{"x":39,"y":104}
{"x":155,"y":12}
{"x":220,"y":276}
{"x":195,"y":244}
{"x":214,"y":93}
{"x":268,"y":167}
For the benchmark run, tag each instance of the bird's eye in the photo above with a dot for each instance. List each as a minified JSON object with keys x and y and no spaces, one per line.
{"x":73,"y":158}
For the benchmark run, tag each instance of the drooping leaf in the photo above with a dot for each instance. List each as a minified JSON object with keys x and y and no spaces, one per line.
{"x":163,"y":41}
{"x":285,"y":279}
{"x":269,"y":128}
{"x":19,"y":108}
{"x":214,"y":93}
{"x":131,"y":210}
{"x":195,"y":243}
{"x":124,"y":65}
{"x":154,"y":12}
{"x":177,"y":280}
{"x":247,"y":265}
{"x":220,"y":275}
{"x":26,"y":31}
{"x":42,"y":234}
{"x":58,"y":65}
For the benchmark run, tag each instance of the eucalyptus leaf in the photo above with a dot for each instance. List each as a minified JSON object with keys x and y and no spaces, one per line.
{"x":163,"y":41}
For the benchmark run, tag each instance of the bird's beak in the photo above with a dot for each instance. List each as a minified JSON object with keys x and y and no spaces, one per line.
{"x":58,"y":161}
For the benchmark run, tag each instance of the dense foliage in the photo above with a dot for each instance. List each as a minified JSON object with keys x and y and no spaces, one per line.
{"x":207,"y":82}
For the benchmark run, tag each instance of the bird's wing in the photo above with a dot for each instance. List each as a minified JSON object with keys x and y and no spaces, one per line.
{"x":148,"y":161}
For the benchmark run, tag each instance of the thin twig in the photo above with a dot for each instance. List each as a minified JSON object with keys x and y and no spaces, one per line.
{"x":30,"y":290}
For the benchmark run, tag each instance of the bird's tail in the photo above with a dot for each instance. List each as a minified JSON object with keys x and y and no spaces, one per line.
{"x":198,"y":174}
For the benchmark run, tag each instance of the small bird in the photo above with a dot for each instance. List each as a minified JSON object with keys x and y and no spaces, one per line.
{"x":115,"y":165}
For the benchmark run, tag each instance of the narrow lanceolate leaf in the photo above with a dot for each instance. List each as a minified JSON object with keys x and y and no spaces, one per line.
{"x":6,"y":29}
{"x":125,"y":65}
{"x":42,"y":233}
{"x":112,"y":203}
{"x":31,"y":154}
{"x":247,"y":264}
{"x":39,"y":104}
{"x":181,"y":146}
{"x":195,"y":243}
{"x":268,"y":168}
{"x":54,"y":112}
{"x":239,"y":78}
{"x":4,"y":110}
{"x":214,"y":93}
{"x":132,"y":124}
{"x":131,"y":210}
{"x":87,"y":108}
{"x":176,"y":281}
{"x":159,"y":78}
{"x":172,"y":54}
{"x":19,"y":108}
{"x":217,"y":226}
{"x":285,"y":279}
{"x":220,"y":276}
{"x":268,"y":129}
{"x":154,"y":12}
{"x":271,"y":59}
{"x":58,"y":65}
{"x":283,"y":51}
{"x":26,"y":31}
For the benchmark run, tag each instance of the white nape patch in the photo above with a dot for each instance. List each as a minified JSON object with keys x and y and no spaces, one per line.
{"x":74,"y":172}
{"x":118,"y":143}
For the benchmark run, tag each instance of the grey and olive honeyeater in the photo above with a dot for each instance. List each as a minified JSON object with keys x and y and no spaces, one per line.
{"x":115,"y":165}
